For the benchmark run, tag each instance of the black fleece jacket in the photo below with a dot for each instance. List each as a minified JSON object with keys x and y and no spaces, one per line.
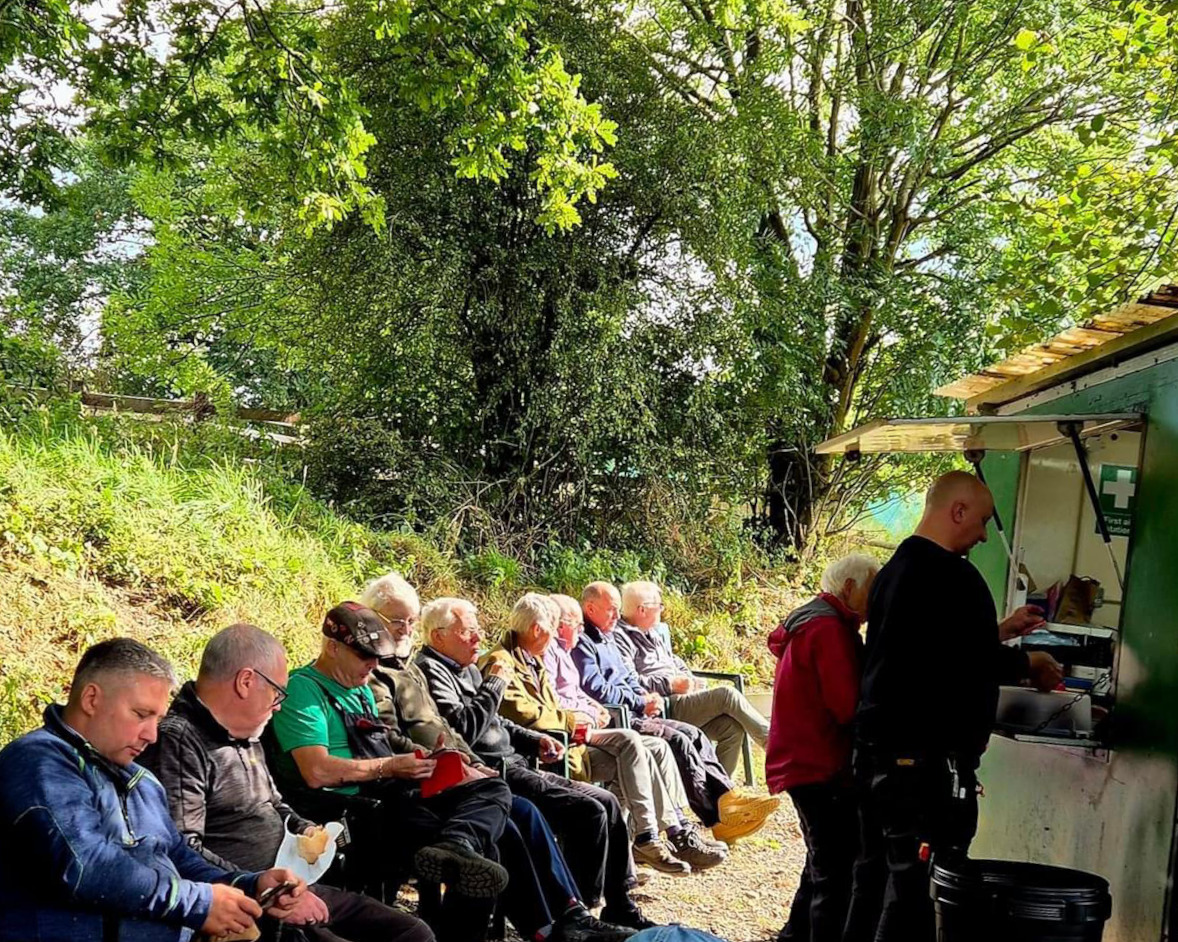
{"x":933,"y":661}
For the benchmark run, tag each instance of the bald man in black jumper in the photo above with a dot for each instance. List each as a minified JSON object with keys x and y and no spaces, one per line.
{"x":932,"y":667}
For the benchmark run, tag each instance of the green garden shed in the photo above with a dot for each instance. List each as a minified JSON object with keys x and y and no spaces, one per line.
{"x":1078,"y":439}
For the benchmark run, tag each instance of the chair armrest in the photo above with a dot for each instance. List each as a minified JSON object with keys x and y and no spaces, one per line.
{"x":737,"y":680}
{"x":620,"y":714}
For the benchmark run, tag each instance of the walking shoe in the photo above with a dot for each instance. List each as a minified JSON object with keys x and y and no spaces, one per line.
{"x":735,"y":808}
{"x":461,"y":869}
{"x":631,"y":918}
{"x":580,"y":925}
{"x":659,"y":855}
{"x":706,"y":838}
{"x":690,"y":847}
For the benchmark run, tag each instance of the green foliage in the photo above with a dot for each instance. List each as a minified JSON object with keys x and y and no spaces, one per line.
{"x":166,"y":533}
{"x":162,"y":76}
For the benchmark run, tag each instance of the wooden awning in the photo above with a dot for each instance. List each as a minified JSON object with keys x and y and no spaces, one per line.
{"x":1131,"y":327}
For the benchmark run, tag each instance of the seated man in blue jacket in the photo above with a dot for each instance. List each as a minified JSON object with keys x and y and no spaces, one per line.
{"x":609,"y":678}
{"x":88,"y":849}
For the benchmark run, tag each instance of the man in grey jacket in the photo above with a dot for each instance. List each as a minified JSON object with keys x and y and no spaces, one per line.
{"x":722,"y":712}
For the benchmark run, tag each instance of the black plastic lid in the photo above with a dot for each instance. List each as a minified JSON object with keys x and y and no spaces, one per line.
{"x":1083,"y":895}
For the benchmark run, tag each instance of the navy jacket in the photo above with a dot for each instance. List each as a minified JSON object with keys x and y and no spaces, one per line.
{"x":605,"y":675}
{"x":88,"y":850}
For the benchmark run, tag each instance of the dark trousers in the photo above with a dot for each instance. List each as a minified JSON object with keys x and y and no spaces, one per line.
{"x":705,"y":779}
{"x":830,"y":825}
{"x":474,"y":813}
{"x":915,"y":805}
{"x":541,"y":886}
{"x":869,"y":876}
{"x":591,"y":828}
{"x":357,"y":918}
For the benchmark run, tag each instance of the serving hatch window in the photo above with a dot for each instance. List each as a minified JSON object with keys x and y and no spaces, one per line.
{"x":1066,"y":567}
{"x":1062,"y":554}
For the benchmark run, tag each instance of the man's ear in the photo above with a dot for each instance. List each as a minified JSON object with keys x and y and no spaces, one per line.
{"x":241,"y":686}
{"x":91,"y":699}
{"x":958,"y":511}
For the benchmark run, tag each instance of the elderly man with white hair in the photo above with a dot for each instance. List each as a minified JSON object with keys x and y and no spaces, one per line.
{"x":723,"y":712}
{"x":816,"y":688}
{"x":616,"y":757}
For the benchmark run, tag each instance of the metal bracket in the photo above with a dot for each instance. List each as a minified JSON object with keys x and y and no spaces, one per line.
{"x":1072,"y":431}
{"x":974,"y":456}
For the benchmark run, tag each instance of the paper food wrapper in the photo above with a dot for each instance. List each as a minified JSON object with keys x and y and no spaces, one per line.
{"x":289,"y":855}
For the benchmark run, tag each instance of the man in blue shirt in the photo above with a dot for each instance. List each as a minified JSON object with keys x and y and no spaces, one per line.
{"x":88,"y":849}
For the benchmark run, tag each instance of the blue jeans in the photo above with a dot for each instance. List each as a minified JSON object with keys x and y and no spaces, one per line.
{"x":541,"y":887}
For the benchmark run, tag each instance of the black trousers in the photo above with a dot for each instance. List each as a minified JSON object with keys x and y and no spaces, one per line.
{"x":591,"y":828}
{"x":357,"y":918}
{"x":830,"y":825}
{"x":869,"y":876}
{"x":474,"y":813}
{"x":705,"y":779}
{"x":915,"y":805}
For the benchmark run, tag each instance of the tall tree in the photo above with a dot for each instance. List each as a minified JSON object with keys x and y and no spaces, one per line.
{"x":873,"y":142}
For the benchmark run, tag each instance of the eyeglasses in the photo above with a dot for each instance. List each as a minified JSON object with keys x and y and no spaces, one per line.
{"x":280,"y":693}
{"x":654,"y":606}
{"x":411,"y":622}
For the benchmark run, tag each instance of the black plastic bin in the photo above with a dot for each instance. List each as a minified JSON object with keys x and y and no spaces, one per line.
{"x":1011,"y":901}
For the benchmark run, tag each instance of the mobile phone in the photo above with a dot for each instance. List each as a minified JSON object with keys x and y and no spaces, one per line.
{"x":268,"y":896}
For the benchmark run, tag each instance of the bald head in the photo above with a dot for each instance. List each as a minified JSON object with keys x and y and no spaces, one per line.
{"x":956,"y":510}
{"x":601,"y":604}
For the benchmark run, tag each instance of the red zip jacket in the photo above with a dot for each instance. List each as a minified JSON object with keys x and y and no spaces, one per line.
{"x":815,"y":691}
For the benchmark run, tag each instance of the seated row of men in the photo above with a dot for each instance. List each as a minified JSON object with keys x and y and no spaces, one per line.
{"x":89,"y":847}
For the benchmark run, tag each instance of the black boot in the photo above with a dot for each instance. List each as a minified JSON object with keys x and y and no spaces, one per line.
{"x":580,"y":925}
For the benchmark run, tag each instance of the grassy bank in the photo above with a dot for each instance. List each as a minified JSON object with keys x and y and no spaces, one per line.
{"x":167,"y":534}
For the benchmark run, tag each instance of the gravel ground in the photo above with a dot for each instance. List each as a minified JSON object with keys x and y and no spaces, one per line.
{"x":745,"y":899}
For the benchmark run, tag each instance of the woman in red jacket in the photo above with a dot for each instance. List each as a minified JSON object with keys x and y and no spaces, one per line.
{"x":815,"y":691}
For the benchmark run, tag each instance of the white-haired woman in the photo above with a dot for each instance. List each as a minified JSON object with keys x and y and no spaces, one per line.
{"x":815,"y":692}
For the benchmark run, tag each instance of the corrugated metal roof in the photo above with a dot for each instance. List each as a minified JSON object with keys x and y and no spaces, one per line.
{"x":1081,"y":346}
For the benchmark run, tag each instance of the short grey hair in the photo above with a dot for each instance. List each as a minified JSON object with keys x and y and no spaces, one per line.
{"x":857,"y":567}
{"x":390,"y":587}
{"x":532,"y":609}
{"x":237,"y":647}
{"x":635,"y":593}
{"x":566,"y":603}
{"x":120,"y":656}
{"x":442,"y":613}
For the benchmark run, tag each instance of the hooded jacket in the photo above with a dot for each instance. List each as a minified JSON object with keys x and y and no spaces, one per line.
{"x":89,"y":851}
{"x":815,"y":691}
